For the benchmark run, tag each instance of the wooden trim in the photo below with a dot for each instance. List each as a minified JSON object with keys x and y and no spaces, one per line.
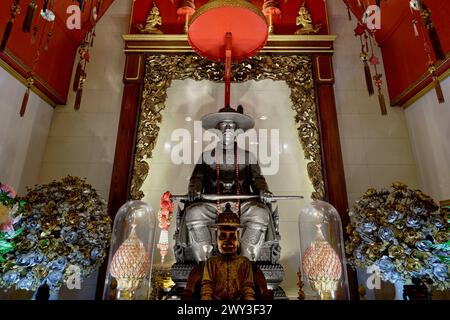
{"x":286,"y":44}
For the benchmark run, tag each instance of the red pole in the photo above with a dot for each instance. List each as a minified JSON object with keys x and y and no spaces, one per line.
{"x":228,"y":47}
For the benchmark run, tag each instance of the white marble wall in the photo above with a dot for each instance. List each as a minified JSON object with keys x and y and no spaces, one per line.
{"x":428,"y":124}
{"x":22,"y":140}
{"x":82,"y":143}
{"x":376,"y":149}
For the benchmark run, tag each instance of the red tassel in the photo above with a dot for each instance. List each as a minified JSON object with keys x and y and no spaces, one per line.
{"x":349,"y":14}
{"x":29,"y":16}
{"x":6,"y":35}
{"x":23,"y":108}
{"x":382,"y":103}
{"x":438,"y":89}
{"x":78,"y":99}
{"x":436,"y":43}
{"x":368,"y":78}
{"x":76,"y":80}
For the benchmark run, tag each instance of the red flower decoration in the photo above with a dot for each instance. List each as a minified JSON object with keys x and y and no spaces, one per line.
{"x":359,"y":30}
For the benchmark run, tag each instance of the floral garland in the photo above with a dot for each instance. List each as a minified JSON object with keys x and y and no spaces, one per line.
{"x":397,"y":232}
{"x":66,"y":228}
{"x":11,"y":209}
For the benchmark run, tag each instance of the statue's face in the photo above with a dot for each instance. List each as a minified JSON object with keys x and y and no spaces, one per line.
{"x":228,"y":129}
{"x":227,"y":240}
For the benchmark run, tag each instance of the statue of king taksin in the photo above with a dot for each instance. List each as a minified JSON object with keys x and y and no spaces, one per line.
{"x":227,"y":170}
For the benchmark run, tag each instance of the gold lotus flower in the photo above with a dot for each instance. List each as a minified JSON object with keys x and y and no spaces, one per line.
{"x":412,"y":264}
{"x":370,"y":192}
{"x":373,"y":252}
{"x":441,"y":237}
{"x":399,"y":185}
{"x":396,"y":251}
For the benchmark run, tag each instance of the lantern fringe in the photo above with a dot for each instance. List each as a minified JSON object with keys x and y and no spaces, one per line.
{"x":436,"y":43}
{"x":368,"y":76}
{"x":438,"y":89}
{"x":78,"y":98}
{"x":23,"y":108}
{"x":382,"y":103}
{"x":29,"y":17}
{"x":76,"y":80}
{"x":6,"y":35}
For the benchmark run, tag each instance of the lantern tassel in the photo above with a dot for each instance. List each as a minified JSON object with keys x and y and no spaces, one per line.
{"x":23,"y":108}
{"x":76,"y":80}
{"x":6,"y":35}
{"x":368,"y":78}
{"x":29,"y":17}
{"x":349,"y":14}
{"x":438,"y":89}
{"x":78,"y":98}
{"x":436,"y":43}
{"x":382,"y":103}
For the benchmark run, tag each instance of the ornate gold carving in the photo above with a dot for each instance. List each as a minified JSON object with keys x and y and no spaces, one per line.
{"x":296,"y":71}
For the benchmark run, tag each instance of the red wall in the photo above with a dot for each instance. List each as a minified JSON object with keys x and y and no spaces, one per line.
{"x":55,"y":65}
{"x":404,"y":57}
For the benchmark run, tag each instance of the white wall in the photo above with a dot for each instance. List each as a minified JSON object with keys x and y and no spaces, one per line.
{"x":82,"y":143}
{"x":22,"y":140}
{"x":429,"y":128}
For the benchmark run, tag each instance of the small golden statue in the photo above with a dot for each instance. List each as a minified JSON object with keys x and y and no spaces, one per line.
{"x":154,"y":19}
{"x":304,"y":21}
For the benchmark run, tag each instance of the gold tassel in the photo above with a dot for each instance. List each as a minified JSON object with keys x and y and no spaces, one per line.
{"x":368,"y":78}
{"x":438,"y":89}
{"x":23,"y":108}
{"x":382,"y":103}
{"x":29,"y":16}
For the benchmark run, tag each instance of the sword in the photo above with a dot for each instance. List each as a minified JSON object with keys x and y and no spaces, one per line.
{"x":215,"y":197}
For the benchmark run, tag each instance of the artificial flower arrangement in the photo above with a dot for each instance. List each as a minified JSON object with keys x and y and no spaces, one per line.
{"x":398,"y":231}
{"x":65,"y":226}
{"x":11,"y":210}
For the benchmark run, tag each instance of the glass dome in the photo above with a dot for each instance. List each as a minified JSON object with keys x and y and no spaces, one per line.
{"x":322,"y":255}
{"x":129,"y":270}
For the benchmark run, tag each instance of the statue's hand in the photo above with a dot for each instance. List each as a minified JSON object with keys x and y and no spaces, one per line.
{"x":194,"y":194}
{"x":265,"y":196}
